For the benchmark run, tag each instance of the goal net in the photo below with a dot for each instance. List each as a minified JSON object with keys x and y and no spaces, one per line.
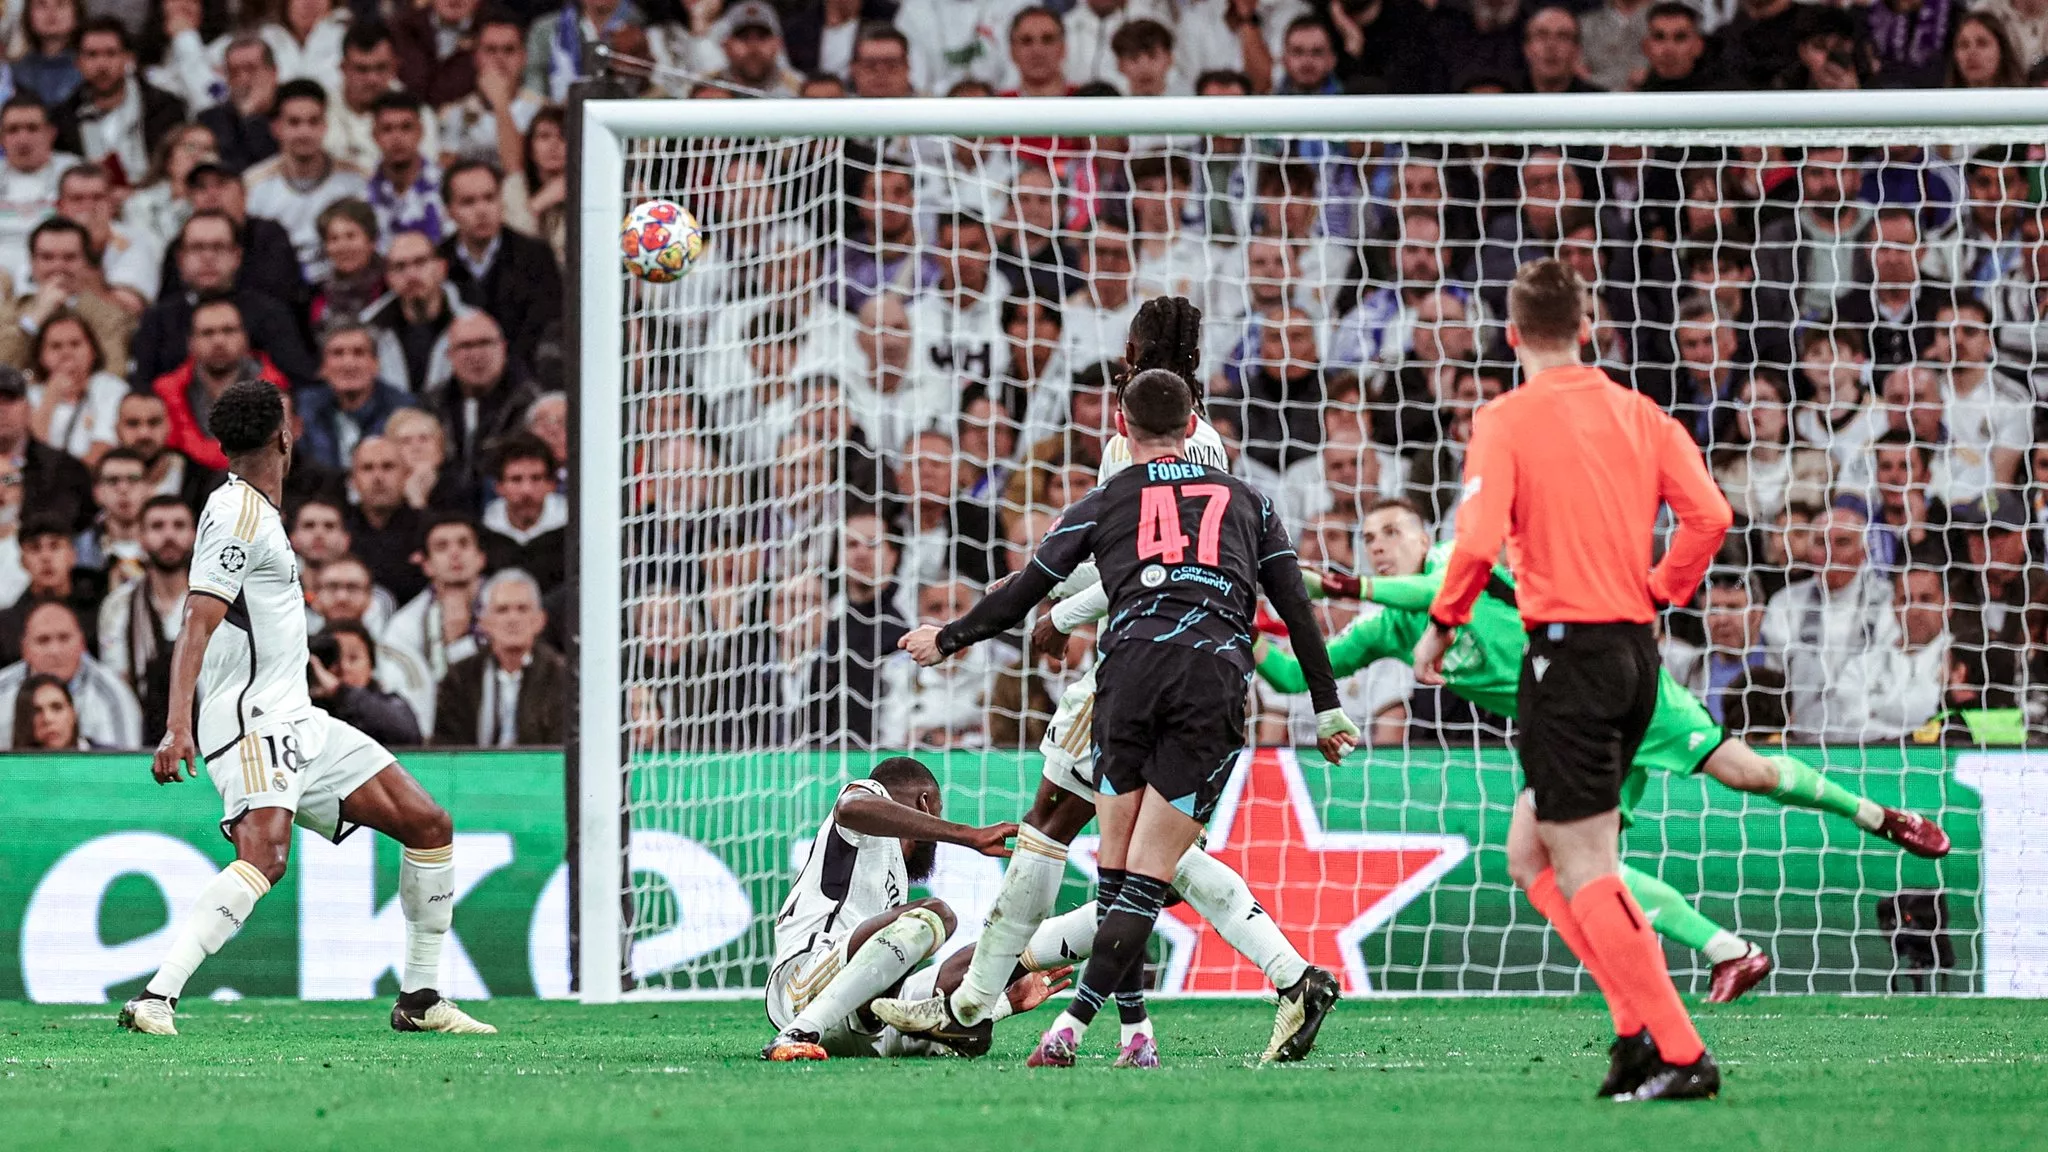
{"x":892,"y":367}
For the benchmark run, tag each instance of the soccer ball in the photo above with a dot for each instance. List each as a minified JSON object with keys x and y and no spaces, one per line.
{"x":660,"y":241}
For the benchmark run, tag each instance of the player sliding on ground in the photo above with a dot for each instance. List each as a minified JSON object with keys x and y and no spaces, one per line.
{"x":274,"y":757}
{"x":1485,"y":669}
{"x":1183,"y":550}
{"x":847,"y":933}
{"x":1166,"y":334}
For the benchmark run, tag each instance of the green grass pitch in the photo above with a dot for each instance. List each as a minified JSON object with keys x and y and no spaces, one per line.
{"x":1806,"y":1075}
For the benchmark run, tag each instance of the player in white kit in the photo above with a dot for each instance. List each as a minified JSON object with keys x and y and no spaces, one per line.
{"x":239,"y":697}
{"x":1166,"y":333}
{"x":848,"y":931}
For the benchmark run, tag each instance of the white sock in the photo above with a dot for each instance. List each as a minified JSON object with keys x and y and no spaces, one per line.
{"x":1222,"y":898}
{"x":1869,"y":814}
{"x":1067,"y":1021}
{"x":214,"y":919}
{"x":426,"y":894}
{"x":1141,"y":1028}
{"x":1067,"y":938}
{"x":1030,"y":884}
{"x":1725,"y":945}
{"x":887,"y":957}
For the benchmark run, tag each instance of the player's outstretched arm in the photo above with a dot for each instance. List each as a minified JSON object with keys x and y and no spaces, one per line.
{"x":1066,"y":545}
{"x":1280,"y":576}
{"x":176,"y":754}
{"x":1362,"y":642}
{"x":874,"y":815}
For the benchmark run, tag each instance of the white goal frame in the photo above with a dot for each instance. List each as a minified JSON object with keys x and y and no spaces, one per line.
{"x":604,"y":125}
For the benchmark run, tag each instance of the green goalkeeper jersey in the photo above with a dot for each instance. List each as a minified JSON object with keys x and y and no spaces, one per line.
{"x":1483,"y":666}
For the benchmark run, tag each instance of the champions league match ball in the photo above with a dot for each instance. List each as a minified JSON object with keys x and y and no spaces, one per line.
{"x":660,"y":240}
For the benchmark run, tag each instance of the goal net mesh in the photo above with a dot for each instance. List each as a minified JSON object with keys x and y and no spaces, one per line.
{"x":888,"y":373}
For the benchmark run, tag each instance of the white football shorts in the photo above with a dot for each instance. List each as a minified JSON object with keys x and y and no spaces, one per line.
{"x":309,"y":765}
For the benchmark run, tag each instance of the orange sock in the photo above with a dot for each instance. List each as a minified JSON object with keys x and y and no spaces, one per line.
{"x":1615,"y":927}
{"x":1549,"y":900}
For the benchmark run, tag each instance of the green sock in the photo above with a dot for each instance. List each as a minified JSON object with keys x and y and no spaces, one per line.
{"x":1672,"y":917}
{"x":1803,"y":787}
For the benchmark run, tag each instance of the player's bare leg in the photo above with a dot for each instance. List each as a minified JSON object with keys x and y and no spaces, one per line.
{"x":263,"y":846}
{"x":393,"y":803}
{"x":881,"y":951}
{"x":1791,"y":781}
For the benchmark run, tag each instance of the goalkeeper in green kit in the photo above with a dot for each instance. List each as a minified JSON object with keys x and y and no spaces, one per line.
{"x":1484,"y":667}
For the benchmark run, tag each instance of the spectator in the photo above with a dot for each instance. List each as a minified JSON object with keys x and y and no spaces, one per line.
{"x":121,"y":264}
{"x":957,"y":326}
{"x":881,"y":62}
{"x":54,"y":645}
{"x":947,"y":706}
{"x":548,"y":419}
{"x":343,"y":675}
{"x":1814,"y":251}
{"x":1838,"y":410}
{"x":1241,"y":36}
{"x":49,"y":558}
{"x":240,"y":124}
{"x":1911,"y":39}
{"x":1754,"y":460}
{"x":1030,"y":389}
{"x":139,"y":621}
{"x":1982,"y":54}
{"x":1383,"y":324}
{"x":1612,"y":37}
{"x":1038,"y":63}
{"x":1550,"y":52}
{"x":47,"y":67}
{"x":1674,"y":51}
{"x":113,"y":544}
{"x":534,"y":193}
{"x":45,"y":719}
{"x":76,"y":400}
{"x":52,"y":482}
{"x":28,"y":178}
{"x":369,"y":70}
{"x":753,"y":51}
{"x":1761,"y":43}
{"x":306,"y":39}
{"x":423,"y":450}
{"x":159,"y":207}
{"x":436,"y":627}
{"x":435,"y":48}
{"x":343,"y":593}
{"x":2026,"y":28}
{"x":383,"y":529}
{"x":1481,"y":43}
{"x":1988,"y":240}
{"x":896,"y":397}
{"x":1089,"y":28}
{"x":1339,"y":484}
{"x":1308,"y":60}
{"x":886,"y":255}
{"x":319,"y":535}
{"x":1434,"y":477}
{"x":114,"y":118}
{"x":526,"y":526}
{"x":1707,"y":375}
{"x":820,"y":38}
{"x":1283,"y":395}
{"x":510,"y":276}
{"x":1896,"y":311}
{"x":490,"y":123}
{"x":220,"y":356}
{"x":413,"y":320}
{"x":143,"y":427}
{"x":355,"y":272}
{"x":269,"y":264}
{"x":1987,"y":413}
{"x":1532,"y":228}
{"x":484,"y":398}
{"x":61,"y":275}
{"x":515,"y":691}
{"x":1735,"y":617}
{"x":1832,"y":55}
{"x":556,"y":41}
{"x":1889,"y":692}
{"x":1813,"y":628}
{"x":1098,"y":314}
{"x":1912,"y":523}
{"x":866,"y":622}
{"x":944,"y":533}
{"x":2000,"y":581}
{"x":405,"y":188}
{"x":351,"y":402}
{"x":1144,"y":60}
{"x":296,"y":185}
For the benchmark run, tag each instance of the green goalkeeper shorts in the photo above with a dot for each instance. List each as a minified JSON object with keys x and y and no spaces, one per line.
{"x":1682,"y":734}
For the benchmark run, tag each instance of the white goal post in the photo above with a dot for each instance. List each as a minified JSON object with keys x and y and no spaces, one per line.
{"x":603,"y":355}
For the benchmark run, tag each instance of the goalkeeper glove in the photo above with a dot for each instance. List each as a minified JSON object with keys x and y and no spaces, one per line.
{"x":1330,"y":585}
{"x":1333,"y":722}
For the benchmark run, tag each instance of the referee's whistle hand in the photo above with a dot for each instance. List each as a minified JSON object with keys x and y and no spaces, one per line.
{"x":1429,"y":655}
{"x":923,"y":645}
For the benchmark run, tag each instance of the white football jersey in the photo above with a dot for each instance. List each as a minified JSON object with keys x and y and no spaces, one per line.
{"x":848,"y":878}
{"x":254,"y":673}
{"x":1204,"y":447}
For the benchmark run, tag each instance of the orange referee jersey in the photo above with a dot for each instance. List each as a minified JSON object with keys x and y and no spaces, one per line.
{"x":1570,"y":469}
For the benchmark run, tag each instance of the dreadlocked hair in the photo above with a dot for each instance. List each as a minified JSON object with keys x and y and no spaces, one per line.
{"x":1167,"y":334}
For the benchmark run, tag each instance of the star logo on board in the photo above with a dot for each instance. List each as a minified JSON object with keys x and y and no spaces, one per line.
{"x":1327,"y":890}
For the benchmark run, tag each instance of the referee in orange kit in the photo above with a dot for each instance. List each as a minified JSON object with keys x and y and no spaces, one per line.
{"x":1570,"y":470}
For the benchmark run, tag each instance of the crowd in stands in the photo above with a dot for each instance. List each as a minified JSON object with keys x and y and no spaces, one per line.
{"x":365,"y":206}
